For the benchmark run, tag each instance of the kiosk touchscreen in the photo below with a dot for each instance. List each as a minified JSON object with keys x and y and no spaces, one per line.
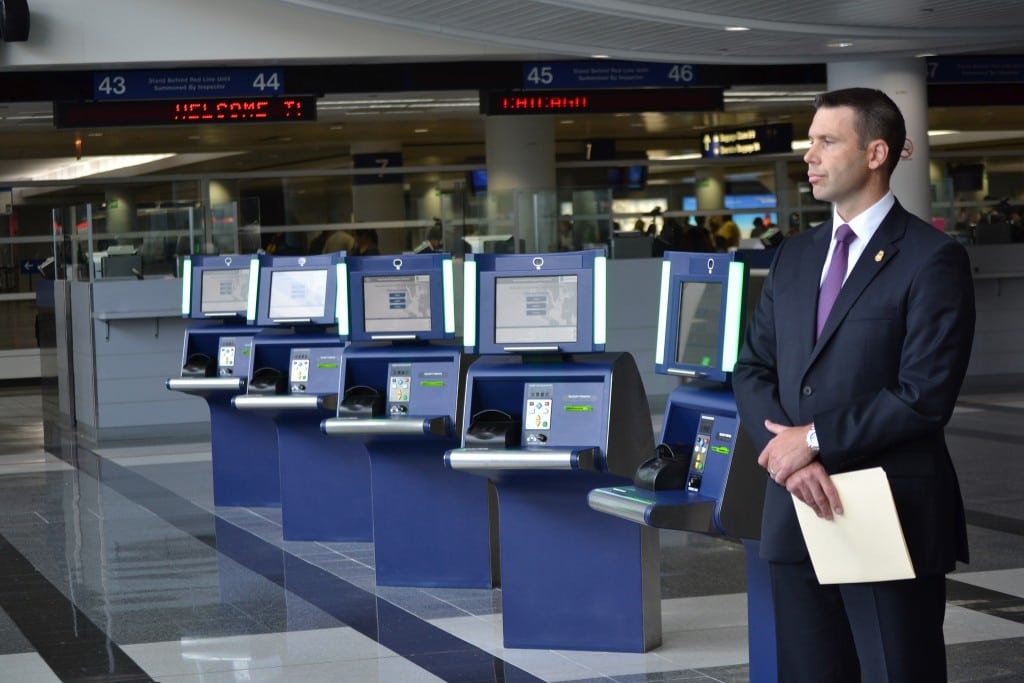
{"x":703,"y":476}
{"x":325,"y":484}
{"x":298,"y":291}
{"x":215,"y":365}
{"x":400,"y":391}
{"x":549,"y":415}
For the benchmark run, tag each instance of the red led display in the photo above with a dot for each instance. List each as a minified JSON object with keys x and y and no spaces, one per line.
{"x":602,"y":101}
{"x":183,"y":111}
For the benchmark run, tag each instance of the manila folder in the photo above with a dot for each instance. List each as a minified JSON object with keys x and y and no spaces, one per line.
{"x":866,"y":542}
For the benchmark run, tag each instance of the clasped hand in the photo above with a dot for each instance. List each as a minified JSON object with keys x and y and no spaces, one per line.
{"x":792,"y":464}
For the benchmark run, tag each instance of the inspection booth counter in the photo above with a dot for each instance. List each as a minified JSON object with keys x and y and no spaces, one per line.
{"x":216,"y":363}
{"x":548,"y":416}
{"x":703,"y":475}
{"x":401,"y":388}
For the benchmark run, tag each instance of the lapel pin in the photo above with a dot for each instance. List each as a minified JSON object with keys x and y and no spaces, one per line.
{"x":879,"y":256}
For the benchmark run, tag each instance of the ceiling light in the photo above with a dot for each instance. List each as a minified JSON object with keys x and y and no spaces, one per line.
{"x":736,"y":28}
{"x":599,"y":56}
{"x":95,"y":165}
{"x":840,"y":44}
{"x":937,"y":133}
{"x":421,"y":130}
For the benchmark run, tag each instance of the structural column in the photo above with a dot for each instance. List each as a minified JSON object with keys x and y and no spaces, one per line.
{"x":521,"y":179}
{"x":905,"y":81}
{"x":710,"y":190}
{"x":380,"y":197}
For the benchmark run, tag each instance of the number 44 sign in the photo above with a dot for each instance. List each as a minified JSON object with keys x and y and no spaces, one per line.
{"x":199,"y":83}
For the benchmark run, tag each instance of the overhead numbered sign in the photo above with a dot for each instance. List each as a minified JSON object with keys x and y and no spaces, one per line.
{"x":197,"y":83}
{"x":603,"y":73}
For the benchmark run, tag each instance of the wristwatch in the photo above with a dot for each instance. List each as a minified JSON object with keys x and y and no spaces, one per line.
{"x":812,"y":439}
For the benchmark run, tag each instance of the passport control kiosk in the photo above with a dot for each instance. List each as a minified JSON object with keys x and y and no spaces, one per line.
{"x":401,"y":386}
{"x":549,"y":416}
{"x":703,"y":476}
{"x":325,"y":483}
{"x":215,"y":365}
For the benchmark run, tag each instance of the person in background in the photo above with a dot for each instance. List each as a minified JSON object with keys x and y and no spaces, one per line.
{"x":867,"y":381}
{"x":759,"y":227}
{"x":566,"y":238}
{"x":366,"y":243}
{"x":727,"y":235}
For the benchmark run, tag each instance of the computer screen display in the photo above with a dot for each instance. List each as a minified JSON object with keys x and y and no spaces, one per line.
{"x":224,"y":291}
{"x":298,"y":294}
{"x":396,"y":303}
{"x":536,"y":309}
{"x":700,"y":315}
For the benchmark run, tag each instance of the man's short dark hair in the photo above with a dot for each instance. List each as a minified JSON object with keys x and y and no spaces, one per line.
{"x":877,"y":117}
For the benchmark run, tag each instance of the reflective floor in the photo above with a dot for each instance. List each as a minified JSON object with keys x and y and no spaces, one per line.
{"x":116,"y":566}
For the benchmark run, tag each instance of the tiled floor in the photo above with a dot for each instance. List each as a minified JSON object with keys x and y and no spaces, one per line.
{"x":115,"y":566}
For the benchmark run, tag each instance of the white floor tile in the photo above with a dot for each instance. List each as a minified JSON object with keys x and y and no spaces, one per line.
{"x":388,"y":670}
{"x":27,"y":667}
{"x":1009,"y":581}
{"x":967,"y":626}
{"x":255,"y":653}
{"x":34,"y":461}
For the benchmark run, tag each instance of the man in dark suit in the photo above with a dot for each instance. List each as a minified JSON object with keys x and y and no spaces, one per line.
{"x":874,"y":386}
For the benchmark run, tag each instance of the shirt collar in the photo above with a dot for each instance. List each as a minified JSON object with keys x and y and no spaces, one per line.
{"x":866,"y":223}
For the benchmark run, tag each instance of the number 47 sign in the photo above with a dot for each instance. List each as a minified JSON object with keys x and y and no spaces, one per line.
{"x":198,"y":83}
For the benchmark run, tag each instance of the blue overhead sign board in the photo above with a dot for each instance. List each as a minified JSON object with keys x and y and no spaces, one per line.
{"x":981,"y":69}
{"x":774,"y":138}
{"x":195,"y":83}
{"x":603,"y":73}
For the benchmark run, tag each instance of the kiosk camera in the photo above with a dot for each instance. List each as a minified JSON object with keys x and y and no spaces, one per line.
{"x":401,"y":387}
{"x":547,"y":416}
{"x":703,"y":476}
{"x":325,"y":486}
{"x":216,"y":364}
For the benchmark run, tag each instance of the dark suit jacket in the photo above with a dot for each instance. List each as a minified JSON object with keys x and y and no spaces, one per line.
{"x":880,"y":383}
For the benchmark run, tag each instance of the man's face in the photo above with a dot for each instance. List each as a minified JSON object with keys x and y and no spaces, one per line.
{"x":837,"y":163}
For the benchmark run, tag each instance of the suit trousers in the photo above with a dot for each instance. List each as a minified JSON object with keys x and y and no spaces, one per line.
{"x":884,"y":632}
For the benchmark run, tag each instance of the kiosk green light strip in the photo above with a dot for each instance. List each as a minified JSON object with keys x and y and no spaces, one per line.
{"x":254,"y":288}
{"x":186,"y":286}
{"x":579,"y":409}
{"x":733,"y":308}
{"x":341,"y":299}
{"x":469,"y":304}
{"x":327,"y":366}
{"x":448,"y":283}
{"x":659,"y":348}
{"x":600,"y":300}
{"x":431,"y":383}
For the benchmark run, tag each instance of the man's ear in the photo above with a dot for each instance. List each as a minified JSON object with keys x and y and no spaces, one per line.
{"x":878,"y":154}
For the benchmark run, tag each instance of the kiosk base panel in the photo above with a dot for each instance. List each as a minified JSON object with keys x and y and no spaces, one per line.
{"x":244,"y":456}
{"x":431,"y":526}
{"x":325,"y":484}
{"x":573,"y":578}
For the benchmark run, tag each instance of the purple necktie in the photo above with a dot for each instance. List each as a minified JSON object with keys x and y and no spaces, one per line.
{"x":833,"y":281}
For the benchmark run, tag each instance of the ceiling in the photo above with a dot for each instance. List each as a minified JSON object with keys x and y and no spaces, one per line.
{"x":446,"y":127}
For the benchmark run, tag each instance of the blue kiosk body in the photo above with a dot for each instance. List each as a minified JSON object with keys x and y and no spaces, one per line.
{"x":325,"y":483}
{"x":215,"y":365}
{"x":400,"y":390}
{"x":548,"y":416}
{"x":703,"y":476}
